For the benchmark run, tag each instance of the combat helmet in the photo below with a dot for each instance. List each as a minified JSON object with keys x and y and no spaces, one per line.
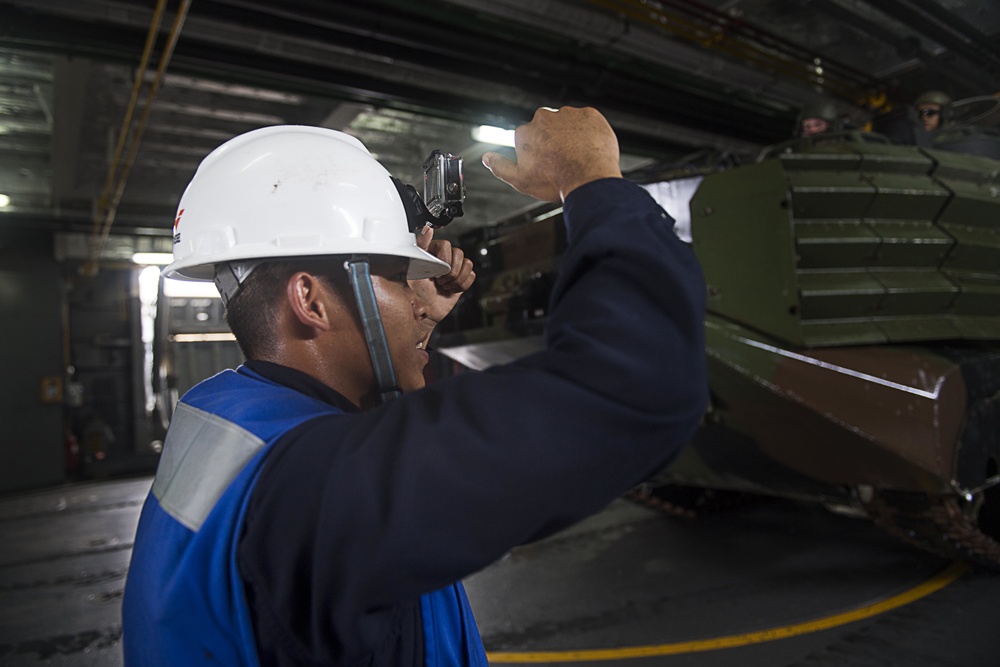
{"x":824,"y":110}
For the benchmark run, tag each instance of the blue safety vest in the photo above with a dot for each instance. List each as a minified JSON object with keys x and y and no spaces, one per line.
{"x":184,"y":600}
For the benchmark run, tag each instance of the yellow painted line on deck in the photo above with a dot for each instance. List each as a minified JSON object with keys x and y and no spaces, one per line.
{"x":936,"y":583}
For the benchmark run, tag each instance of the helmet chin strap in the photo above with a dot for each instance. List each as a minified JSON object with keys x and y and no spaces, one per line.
{"x":371,"y":322}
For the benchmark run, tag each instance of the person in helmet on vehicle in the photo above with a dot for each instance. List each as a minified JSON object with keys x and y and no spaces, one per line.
{"x":931,"y":109}
{"x":818,"y":119}
{"x":307,"y":512}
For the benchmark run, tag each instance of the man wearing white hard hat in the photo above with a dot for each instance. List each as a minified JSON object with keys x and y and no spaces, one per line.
{"x":319,"y":505}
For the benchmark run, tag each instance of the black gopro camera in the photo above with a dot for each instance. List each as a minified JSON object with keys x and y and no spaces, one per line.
{"x":444,"y":192}
{"x":444,"y":189}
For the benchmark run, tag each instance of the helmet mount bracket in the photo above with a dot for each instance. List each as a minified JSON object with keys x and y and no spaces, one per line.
{"x":444,"y":192}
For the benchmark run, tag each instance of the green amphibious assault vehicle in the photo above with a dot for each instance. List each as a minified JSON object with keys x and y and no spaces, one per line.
{"x":853,"y":332}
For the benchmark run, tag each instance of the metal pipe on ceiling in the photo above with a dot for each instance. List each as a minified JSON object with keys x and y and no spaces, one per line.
{"x":140,"y":74}
{"x":111,"y":206}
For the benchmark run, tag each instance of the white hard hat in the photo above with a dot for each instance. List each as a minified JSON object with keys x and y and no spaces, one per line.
{"x":291,"y":191}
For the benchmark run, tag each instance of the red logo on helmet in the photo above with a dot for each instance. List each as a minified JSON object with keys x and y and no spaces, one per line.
{"x":177,"y":223}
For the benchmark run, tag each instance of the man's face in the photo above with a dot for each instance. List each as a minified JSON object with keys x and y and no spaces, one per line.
{"x":402,"y":314}
{"x":811,"y":126}
{"x":930,"y":116}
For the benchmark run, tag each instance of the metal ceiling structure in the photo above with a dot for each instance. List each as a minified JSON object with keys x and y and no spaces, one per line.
{"x":676,"y":78}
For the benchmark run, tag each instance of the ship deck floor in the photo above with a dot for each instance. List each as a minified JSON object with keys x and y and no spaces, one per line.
{"x":774,"y":583}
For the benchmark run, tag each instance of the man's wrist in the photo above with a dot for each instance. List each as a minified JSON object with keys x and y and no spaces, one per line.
{"x":592,"y":178}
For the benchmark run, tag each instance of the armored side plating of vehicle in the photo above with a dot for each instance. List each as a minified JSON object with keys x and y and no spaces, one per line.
{"x":853,"y":332}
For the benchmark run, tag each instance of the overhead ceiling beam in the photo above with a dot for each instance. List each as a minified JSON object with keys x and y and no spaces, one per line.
{"x":971,"y":81}
{"x":931,"y":26}
{"x":966,"y":30}
{"x":544,"y":80}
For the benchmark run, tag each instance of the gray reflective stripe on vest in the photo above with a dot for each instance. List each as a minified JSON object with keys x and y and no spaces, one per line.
{"x":202,"y":454}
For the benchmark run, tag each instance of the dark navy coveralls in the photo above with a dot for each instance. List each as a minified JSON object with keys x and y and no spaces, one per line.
{"x":285,"y":527}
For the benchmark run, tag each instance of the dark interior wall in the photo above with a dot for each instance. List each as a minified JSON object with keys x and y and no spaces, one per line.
{"x":31,"y":442}
{"x":101,"y":312}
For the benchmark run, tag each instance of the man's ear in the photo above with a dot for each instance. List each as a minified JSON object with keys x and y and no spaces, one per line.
{"x":308,"y":298}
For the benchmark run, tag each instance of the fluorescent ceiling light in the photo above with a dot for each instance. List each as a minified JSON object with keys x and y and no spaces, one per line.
{"x":4,"y":201}
{"x":153,"y":258}
{"x":497,"y":136}
{"x":220,"y":337}
{"x":190,"y":289}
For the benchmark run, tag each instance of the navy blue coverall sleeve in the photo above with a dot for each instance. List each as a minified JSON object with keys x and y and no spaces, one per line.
{"x":355,"y":514}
